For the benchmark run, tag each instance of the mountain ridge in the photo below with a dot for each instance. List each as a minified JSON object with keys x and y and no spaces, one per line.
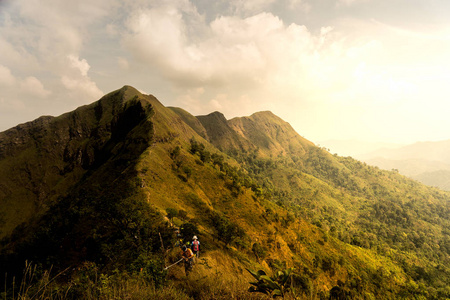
{"x":64,"y":148}
{"x":255,"y":191}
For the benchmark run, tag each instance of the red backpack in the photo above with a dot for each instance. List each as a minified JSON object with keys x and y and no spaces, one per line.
{"x":195,"y":245}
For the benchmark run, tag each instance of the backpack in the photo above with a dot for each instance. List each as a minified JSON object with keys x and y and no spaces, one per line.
{"x":195,"y":245}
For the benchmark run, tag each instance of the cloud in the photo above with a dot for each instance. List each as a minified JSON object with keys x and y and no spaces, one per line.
{"x":301,"y":5}
{"x":349,"y":2}
{"x":83,"y":87}
{"x":233,"y":49}
{"x":34,"y":87}
{"x":234,"y":56}
{"x":251,"y":6}
{"x":41,"y":42}
{"x":348,"y":70}
{"x":191,"y":98}
{"x":80,"y":65}
{"x":258,"y":56}
{"x":6,"y":78}
{"x":215,"y":104}
{"x":76,"y":78}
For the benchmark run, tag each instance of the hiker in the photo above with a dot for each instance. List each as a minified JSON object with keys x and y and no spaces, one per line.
{"x":195,"y":246}
{"x":179,"y":243}
{"x":187,"y":256}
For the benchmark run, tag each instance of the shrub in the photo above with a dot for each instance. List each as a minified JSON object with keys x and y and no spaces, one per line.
{"x":171,"y":213}
{"x":259,"y":251}
{"x":150,"y":268}
{"x":275,"y":286}
{"x":188,"y":230}
{"x":227,"y":231}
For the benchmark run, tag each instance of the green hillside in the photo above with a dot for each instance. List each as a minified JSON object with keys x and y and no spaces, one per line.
{"x":95,"y":196}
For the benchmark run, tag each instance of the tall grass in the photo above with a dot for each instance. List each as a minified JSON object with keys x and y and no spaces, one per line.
{"x":86,"y":283}
{"x":35,"y":284}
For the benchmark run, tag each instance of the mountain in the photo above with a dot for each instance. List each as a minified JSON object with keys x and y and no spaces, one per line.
{"x":431,"y":151}
{"x":409,"y":167}
{"x":428,"y":162}
{"x":356,"y":148}
{"x":44,"y":159}
{"x":439,"y":178}
{"x":96,"y":195}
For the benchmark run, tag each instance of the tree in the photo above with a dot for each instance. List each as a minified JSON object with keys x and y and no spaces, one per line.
{"x":175,"y":152}
{"x":188,"y":230}
{"x":182,"y":214}
{"x":188,"y":171}
{"x":171,"y":213}
{"x":259,"y":251}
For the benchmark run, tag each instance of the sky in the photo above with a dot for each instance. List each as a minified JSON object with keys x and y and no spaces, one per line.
{"x":368,"y":70}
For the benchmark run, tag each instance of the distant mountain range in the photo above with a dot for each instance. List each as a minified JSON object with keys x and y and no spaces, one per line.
{"x":427,"y":162}
{"x":355,"y":148}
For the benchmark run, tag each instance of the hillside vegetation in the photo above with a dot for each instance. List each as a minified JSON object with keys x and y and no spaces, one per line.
{"x":91,"y":201}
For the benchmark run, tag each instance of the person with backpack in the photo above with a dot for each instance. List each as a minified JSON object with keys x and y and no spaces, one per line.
{"x":187,"y":256}
{"x":195,"y":246}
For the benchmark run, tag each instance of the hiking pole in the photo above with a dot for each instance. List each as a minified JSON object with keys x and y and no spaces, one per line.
{"x":173,"y":264}
{"x":162,"y":244}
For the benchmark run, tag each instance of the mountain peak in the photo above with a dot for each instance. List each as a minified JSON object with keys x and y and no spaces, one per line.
{"x":130,"y":91}
{"x":218,"y":116}
{"x":264,"y":113}
{"x":270,"y":133}
{"x":125,"y":94}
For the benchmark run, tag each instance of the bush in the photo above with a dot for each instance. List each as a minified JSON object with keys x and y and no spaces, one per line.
{"x":259,"y":251}
{"x":171,"y":213}
{"x":150,"y":268}
{"x":188,"y":230}
{"x":227,"y":231}
{"x":275,"y":285}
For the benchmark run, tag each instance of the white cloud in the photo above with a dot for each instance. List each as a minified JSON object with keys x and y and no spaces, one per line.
{"x":215,"y":104}
{"x":333,"y":70}
{"x":251,"y":6}
{"x":41,"y":42}
{"x":237,"y":50}
{"x":258,"y":56}
{"x":84,"y":87}
{"x":301,"y":5}
{"x":80,"y":65}
{"x":76,"y":78}
{"x":349,"y":2}
{"x":6,"y":78}
{"x":32,"y":86}
{"x":192,"y":99}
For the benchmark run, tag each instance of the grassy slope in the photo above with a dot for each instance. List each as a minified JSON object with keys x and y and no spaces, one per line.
{"x":383,"y":212}
{"x":206,"y":190}
{"x":319,"y":192}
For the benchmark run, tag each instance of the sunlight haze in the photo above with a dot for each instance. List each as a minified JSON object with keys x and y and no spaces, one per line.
{"x":374,"y":71}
